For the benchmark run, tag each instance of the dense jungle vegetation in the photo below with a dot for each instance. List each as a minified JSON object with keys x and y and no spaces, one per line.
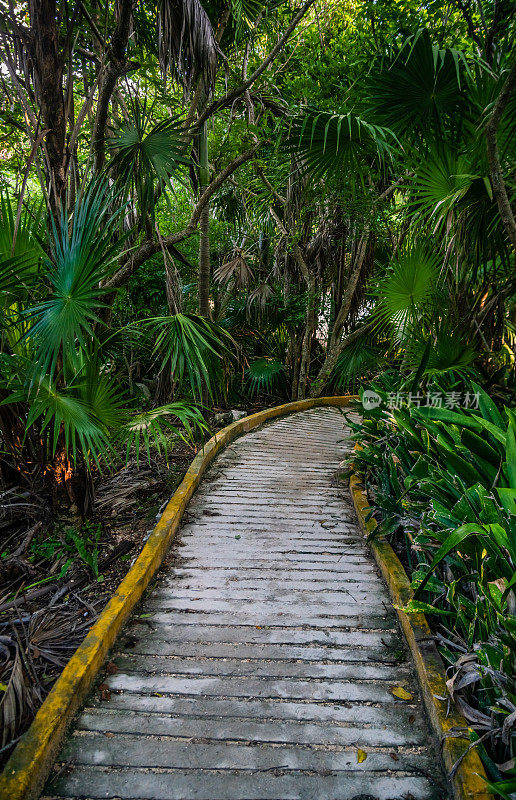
{"x":209,"y":205}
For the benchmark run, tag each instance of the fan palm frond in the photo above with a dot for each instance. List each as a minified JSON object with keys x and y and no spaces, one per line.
{"x":408,"y":286}
{"x":420,"y":88}
{"x":147,"y":154}
{"x":194,"y":349}
{"x":245,"y":13}
{"x":151,"y":427}
{"x":19,"y":233}
{"x":15,"y":276}
{"x":339,"y":144}
{"x":20,"y":256}
{"x":62,"y":411}
{"x":99,"y":392}
{"x":265,"y":375}
{"x":82,"y":254}
{"x":450,"y":350}
{"x":441,"y":183}
{"x":260,"y":296}
{"x":356,"y":361}
{"x":237,"y":271}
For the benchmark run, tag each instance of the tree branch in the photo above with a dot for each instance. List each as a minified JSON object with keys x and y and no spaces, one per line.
{"x":229,"y":98}
{"x":150,"y":247}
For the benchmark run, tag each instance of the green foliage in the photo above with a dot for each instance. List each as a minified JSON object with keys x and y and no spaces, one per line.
{"x":372,"y":165}
{"x":419,"y":87}
{"x":194,"y":350}
{"x":265,"y":375}
{"x":446,"y":349}
{"x":359,"y":359}
{"x":153,"y":426}
{"x":66,"y":544}
{"x":18,"y":231}
{"x":442,"y":485}
{"x":339,"y":144}
{"x":147,"y":156}
{"x":82,"y":254}
{"x":75,"y":407}
{"x":408,"y":286}
{"x":245,"y":13}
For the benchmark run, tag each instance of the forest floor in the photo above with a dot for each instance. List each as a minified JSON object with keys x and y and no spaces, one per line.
{"x":54,"y":580}
{"x":55,"y":588}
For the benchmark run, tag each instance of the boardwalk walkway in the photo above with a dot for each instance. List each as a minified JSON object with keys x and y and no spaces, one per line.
{"x":261,"y":665}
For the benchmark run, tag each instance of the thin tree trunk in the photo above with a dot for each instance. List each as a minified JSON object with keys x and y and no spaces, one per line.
{"x":332,"y":356}
{"x":335,"y":344}
{"x":493,"y":155}
{"x":295,"y":360}
{"x":204,"y":227}
{"x":117,"y":66}
{"x":306,"y":347}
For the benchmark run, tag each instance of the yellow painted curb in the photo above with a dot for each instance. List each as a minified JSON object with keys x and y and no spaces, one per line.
{"x":468,"y":783}
{"x":26,"y":771}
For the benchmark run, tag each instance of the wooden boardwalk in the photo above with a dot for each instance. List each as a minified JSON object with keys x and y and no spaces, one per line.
{"x":262,"y":664}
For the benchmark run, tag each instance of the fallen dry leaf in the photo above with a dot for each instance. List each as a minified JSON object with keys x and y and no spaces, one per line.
{"x":394,"y":756}
{"x":105,"y":694}
{"x":111,"y":668}
{"x":361,"y":755}
{"x":401,"y":693}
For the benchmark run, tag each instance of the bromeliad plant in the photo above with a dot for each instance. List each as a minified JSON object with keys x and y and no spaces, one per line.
{"x":442,"y":485}
{"x":69,"y":410}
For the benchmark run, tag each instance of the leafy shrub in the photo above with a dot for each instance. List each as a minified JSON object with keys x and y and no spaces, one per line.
{"x":442,"y":485}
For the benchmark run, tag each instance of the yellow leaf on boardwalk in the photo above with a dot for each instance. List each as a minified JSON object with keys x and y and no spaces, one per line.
{"x":361,"y":755}
{"x":402,"y":693}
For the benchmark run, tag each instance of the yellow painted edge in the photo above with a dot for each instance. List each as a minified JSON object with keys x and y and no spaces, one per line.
{"x":469,"y":779}
{"x":25,"y":773}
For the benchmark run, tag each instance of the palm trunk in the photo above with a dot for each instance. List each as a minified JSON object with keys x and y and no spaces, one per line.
{"x":204,"y":227}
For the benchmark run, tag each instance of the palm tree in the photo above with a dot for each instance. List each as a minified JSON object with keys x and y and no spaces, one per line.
{"x":56,"y":353}
{"x":424,"y":116}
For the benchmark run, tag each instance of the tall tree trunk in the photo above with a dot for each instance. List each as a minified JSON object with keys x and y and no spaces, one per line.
{"x":335,"y":344}
{"x":48,"y":66}
{"x":117,"y":65}
{"x":204,"y":227}
{"x":293,"y":360}
{"x":306,"y":347}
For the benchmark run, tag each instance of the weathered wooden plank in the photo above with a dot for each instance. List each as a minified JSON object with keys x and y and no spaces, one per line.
{"x":266,"y":653}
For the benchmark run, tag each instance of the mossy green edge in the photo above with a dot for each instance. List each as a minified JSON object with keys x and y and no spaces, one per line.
{"x":469,"y":780}
{"x":26,"y":771}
